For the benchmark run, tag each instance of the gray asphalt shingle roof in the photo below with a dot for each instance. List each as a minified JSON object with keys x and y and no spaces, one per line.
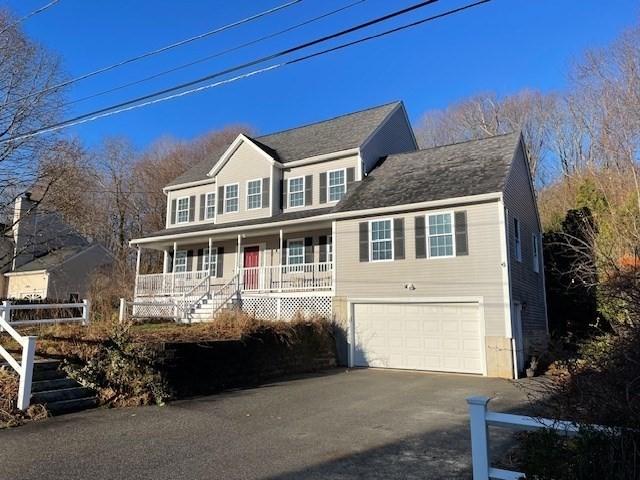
{"x":339,"y":133}
{"x":468,"y":168}
{"x":52,"y":259}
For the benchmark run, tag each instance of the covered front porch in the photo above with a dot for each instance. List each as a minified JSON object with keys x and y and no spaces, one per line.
{"x":275,"y":261}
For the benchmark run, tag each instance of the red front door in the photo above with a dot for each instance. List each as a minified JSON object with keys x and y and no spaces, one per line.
{"x":251,"y":264}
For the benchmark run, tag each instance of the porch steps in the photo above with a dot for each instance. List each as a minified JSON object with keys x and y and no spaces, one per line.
{"x":203,"y":312}
{"x":57,"y":392}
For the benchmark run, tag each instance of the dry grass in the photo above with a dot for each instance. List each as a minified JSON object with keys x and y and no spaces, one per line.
{"x":10,"y":416}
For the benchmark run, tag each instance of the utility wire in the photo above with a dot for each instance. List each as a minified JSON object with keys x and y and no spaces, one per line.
{"x":158,"y":50}
{"x":218,"y":54}
{"x":29,"y":15}
{"x":133,"y":104}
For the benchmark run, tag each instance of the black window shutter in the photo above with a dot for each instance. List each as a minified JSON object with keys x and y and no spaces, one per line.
{"x":398,"y":238}
{"x":322,"y":241}
{"x":308,"y":190}
{"x":283,"y":198}
{"x":200,"y":259}
{"x":364,"y":241}
{"x":192,"y":208}
{"x":421,"y":239}
{"x":172,"y":220}
{"x":265,"y":192}
{"x":462,"y":241}
{"x":283,"y":253}
{"x":203,"y":201}
{"x":308,"y":249}
{"x":323,"y":187}
{"x":220,"y":262}
{"x":220,"y":201}
{"x":189,"y":260}
{"x":351,"y":177}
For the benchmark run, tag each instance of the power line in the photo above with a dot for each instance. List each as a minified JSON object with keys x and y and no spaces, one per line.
{"x":159,"y":50}
{"x":29,"y":15}
{"x":133,"y":104}
{"x":218,"y":54}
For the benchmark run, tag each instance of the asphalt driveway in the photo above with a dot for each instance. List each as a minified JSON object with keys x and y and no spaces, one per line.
{"x":340,"y":425}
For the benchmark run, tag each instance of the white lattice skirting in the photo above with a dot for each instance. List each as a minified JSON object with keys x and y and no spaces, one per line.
{"x":286,"y":308}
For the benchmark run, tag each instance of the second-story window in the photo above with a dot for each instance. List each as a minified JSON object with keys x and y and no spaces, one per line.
{"x":337,"y":185}
{"x":381,"y":244}
{"x":231,"y":198}
{"x":210,"y":209}
{"x":254,"y":194}
{"x":440,"y":235}
{"x":296,"y":192}
{"x":182,"y":210}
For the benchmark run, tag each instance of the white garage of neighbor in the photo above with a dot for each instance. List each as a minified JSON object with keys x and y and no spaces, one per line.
{"x":436,"y":335}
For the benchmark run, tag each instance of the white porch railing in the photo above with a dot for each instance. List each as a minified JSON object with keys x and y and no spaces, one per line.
{"x":168,"y":283}
{"x":287,"y":278}
{"x":480,"y":419}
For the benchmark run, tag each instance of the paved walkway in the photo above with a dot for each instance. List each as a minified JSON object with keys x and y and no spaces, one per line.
{"x":372,"y":424}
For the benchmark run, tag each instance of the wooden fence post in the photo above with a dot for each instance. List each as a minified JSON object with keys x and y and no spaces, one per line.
{"x":479,"y":437}
{"x":26,"y":372}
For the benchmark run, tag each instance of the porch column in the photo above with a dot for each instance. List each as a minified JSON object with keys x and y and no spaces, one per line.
{"x":209,"y":259}
{"x":281,"y":252}
{"x":173,"y":267}
{"x":238,"y":263}
{"x":333,"y":256}
{"x":135,"y":285}
{"x":165,"y":261}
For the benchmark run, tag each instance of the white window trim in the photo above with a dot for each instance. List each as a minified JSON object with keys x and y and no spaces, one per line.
{"x":535,"y":251}
{"x":517,"y":239}
{"x":178,"y":210}
{"x":224,"y":200}
{"x":215,"y":255}
{"x":393,"y":253}
{"x":182,"y":254}
{"x":259,"y":180}
{"x":453,"y":234}
{"x":207,"y":206}
{"x":295,"y":265}
{"x":329,"y":249}
{"x":304,"y":189}
{"x":344,"y":172}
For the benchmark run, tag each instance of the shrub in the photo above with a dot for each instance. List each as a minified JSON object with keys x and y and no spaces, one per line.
{"x":10,"y":416}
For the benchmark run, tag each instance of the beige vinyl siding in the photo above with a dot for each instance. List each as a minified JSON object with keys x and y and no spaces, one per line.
{"x":21,"y":285}
{"x":188,"y":192}
{"x":477,"y":275}
{"x":393,"y":136}
{"x":245,"y":164}
{"x":315,"y":170}
{"x":74,"y":275}
{"x":527,"y":286}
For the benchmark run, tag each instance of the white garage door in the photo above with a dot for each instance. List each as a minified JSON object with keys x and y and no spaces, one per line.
{"x":419,"y":336}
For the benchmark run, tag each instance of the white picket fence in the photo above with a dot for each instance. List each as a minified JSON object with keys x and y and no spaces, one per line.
{"x":480,"y":419}
{"x":24,"y":367}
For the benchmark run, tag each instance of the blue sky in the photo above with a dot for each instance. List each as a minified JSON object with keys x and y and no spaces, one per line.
{"x":504,"y":46}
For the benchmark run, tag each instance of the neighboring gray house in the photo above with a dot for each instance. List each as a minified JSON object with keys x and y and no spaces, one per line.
{"x":424,"y":259}
{"x":49,"y":258}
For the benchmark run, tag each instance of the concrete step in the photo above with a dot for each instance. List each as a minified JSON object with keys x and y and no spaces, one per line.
{"x":52,"y":396}
{"x":54,"y":384}
{"x":74,"y":405}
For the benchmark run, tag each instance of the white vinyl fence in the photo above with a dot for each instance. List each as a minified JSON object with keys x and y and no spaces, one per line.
{"x":480,"y":419}
{"x":24,"y":367}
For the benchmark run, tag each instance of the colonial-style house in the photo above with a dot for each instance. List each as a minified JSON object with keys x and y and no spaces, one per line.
{"x":425,"y":259}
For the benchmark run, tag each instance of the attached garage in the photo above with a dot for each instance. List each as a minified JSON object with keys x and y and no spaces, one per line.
{"x":442,"y":336}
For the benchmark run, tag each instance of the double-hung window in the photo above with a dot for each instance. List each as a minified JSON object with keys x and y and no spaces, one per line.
{"x":210,"y":261}
{"x":536,"y":253}
{"x":381,"y":240}
{"x":210,"y":206}
{"x":440,"y":235}
{"x":296,"y":192}
{"x":182,"y":210}
{"x":337,"y":185}
{"x":295,"y":253}
{"x":231,"y":193}
{"x":181,"y":261}
{"x":254,"y":194}
{"x":517,"y":240}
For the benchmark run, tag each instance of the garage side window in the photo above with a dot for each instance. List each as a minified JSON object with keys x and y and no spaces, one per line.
{"x":381,"y":244}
